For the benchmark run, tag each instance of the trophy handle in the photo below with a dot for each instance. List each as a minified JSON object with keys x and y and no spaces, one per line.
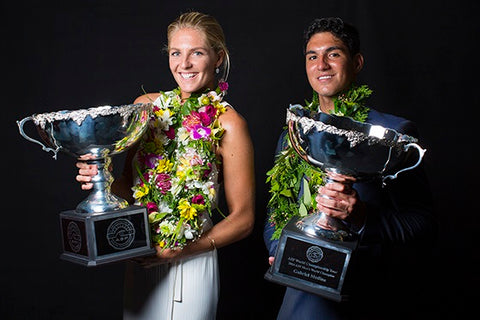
{"x":421,"y":153}
{"x":293,"y":139}
{"x":45,"y":148}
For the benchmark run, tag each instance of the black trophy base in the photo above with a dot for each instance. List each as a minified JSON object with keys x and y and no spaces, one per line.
{"x":93,"y":239}
{"x":312,"y":264}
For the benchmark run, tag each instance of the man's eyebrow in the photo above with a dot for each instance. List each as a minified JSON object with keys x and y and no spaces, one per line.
{"x":329,"y":49}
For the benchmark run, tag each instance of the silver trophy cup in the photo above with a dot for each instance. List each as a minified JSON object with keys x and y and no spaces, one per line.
{"x":314,"y":252}
{"x":103,"y":228}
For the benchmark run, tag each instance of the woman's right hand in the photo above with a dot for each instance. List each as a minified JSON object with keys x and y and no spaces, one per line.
{"x":86,"y":172}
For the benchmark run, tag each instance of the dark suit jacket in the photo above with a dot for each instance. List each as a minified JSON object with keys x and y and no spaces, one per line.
{"x":399,"y":231}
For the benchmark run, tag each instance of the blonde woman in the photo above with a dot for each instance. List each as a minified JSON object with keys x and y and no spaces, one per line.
{"x":196,"y":142}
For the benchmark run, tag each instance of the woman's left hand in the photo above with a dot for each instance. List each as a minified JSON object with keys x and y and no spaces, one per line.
{"x":161,"y":257}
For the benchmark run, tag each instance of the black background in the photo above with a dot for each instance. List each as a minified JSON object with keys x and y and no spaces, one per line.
{"x":420,"y":62}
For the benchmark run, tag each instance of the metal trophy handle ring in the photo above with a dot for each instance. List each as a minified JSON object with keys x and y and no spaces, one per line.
{"x":293,"y":136}
{"x":421,"y":153}
{"x":21,"y":123}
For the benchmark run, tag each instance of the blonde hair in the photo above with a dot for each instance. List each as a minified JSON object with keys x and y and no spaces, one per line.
{"x":213,"y":32}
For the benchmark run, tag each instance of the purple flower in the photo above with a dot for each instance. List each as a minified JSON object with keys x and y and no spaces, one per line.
{"x":199,"y":132}
{"x":150,"y":160}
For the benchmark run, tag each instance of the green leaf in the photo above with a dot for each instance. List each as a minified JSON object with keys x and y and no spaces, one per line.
{"x":307,"y":196}
{"x":286,"y":193}
{"x":302,"y":210}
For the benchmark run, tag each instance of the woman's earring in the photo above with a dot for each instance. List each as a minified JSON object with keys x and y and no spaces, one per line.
{"x":217,"y":70}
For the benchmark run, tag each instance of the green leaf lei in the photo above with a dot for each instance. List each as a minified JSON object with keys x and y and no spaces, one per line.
{"x":290,"y":173}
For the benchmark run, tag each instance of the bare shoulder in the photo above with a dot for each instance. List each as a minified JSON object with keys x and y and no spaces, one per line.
{"x":146,"y":98}
{"x":231,"y":120}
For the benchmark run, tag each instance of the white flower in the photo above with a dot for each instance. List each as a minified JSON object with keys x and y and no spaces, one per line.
{"x":166,"y":227}
{"x":176,"y":186}
{"x":188,"y":234}
{"x":164,"y":208}
{"x":214,"y":96}
{"x":183,"y":135}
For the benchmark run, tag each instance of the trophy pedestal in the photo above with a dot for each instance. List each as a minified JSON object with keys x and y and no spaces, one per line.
{"x":312,"y":264}
{"x":93,"y":239}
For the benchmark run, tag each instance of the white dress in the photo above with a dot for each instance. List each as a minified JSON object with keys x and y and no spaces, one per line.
{"x":187,"y":289}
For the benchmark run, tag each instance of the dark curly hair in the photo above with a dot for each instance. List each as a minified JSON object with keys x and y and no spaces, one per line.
{"x":347,"y":33}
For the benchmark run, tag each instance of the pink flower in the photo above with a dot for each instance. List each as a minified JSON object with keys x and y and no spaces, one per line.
{"x":205,"y":118}
{"x":198,"y":199}
{"x":152,"y":207}
{"x":163,"y":182}
{"x":223,"y":85}
{"x":146,"y":177}
{"x":211,"y":110}
{"x":207,"y":114}
{"x":170,"y":133}
{"x":207,"y":171}
{"x":191,"y":121}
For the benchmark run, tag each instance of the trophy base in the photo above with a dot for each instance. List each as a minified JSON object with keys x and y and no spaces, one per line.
{"x":93,"y":239}
{"x":312,"y":264}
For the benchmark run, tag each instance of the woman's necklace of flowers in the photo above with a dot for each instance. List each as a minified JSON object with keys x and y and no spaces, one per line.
{"x":291,"y":173}
{"x":176,"y":164}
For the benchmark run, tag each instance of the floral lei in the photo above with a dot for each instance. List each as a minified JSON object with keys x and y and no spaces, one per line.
{"x":176,"y":164}
{"x":291,"y":173}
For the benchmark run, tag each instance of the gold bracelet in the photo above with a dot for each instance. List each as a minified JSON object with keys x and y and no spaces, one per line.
{"x":212,"y":243}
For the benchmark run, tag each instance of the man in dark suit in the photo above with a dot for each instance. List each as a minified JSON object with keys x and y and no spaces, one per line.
{"x":395,"y":224}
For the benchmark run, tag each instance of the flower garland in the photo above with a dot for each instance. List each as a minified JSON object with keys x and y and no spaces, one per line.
{"x":291,"y":173}
{"x":176,"y":165}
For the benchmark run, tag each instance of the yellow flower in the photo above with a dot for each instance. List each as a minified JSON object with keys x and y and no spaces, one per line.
{"x":204,"y":100}
{"x":164,"y":165}
{"x":186,"y":210}
{"x":211,"y":193}
{"x":164,"y":114}
{"x":141,"y":191}
{"x":184,"y":169}
{"x":181,"y":172}
{"x":220,"y":107}
{"x":217,"y":130}
{"x":162,"y":243}
{"x":184,"y":161}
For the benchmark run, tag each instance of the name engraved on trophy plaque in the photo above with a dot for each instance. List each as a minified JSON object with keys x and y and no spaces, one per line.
{"x":309,"y":262}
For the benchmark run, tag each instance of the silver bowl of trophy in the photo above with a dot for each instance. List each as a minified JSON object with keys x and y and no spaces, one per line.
{"x":314,"y":251}
{"x":103,"y":227}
